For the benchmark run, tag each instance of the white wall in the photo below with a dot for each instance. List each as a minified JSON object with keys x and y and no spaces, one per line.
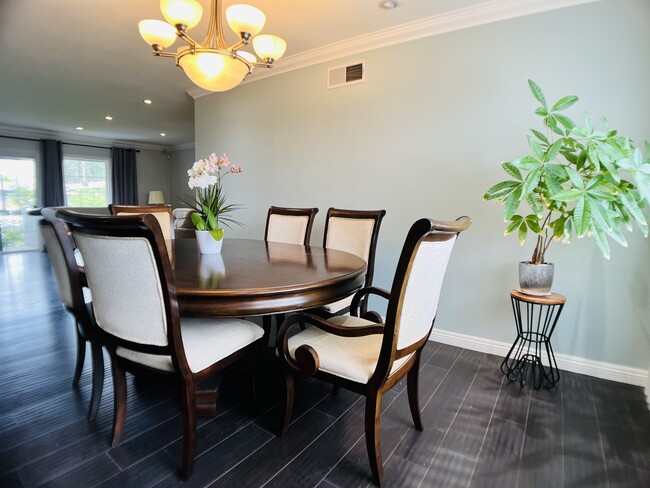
{"x":424,"y":136}
{"x":180,"y":161}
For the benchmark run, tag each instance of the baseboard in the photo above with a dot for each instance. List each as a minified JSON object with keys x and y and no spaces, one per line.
{"x":598,"y":369}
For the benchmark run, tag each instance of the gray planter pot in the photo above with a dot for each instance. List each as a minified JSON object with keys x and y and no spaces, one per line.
{"x":535,"y":279}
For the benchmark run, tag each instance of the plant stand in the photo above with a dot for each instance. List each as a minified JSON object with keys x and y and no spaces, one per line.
{"x":535,"y":318}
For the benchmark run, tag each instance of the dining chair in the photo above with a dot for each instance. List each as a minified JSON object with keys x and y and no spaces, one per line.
{"x":289,"y":225}
{"x":76,"y":299}
{"x":356,"y":232}
{"x":136,"y":310}
{"x":163,"y":214}
{"x":367,"y":357}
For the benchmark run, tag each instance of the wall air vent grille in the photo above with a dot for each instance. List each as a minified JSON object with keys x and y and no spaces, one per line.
{"x":345,"y":75}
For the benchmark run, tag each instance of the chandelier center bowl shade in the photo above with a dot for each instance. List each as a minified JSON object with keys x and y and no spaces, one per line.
{"x":212,"y":64}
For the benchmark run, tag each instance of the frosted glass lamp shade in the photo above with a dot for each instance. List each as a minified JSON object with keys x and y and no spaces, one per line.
{"x":245,"y":19}
{"x":157,"y":33}
{"x":181,"y":12}
{"x":269,"y":47}
{"x":156,"y":197}
{"x":247,"y":56}
{"x":214,"y":71}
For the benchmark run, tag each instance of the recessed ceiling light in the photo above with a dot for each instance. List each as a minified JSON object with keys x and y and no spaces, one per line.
{"x":108,"y":117}
{"x":79,"y":128}
{"x":388,"y":4}
{"x":147,"y":101}
{"x":163,"y":134}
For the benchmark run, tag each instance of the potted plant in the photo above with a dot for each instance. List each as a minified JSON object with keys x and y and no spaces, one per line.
{"x":576,"y":181}
{"x":210,"y":208}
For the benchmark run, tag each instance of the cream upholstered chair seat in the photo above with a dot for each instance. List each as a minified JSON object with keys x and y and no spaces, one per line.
{"x":353,"y":358}
{"x":206,"y":341}
{"x":343,"y":304}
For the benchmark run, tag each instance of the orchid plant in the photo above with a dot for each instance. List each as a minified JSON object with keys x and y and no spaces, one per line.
{"x":577,"y":180}
{"x":210,"y":208}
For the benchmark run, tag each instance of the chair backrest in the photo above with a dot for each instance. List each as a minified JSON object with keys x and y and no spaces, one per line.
{"x":130,"y":276}
{"x":356,"y":232}
{"x":163,"y":214}
{"x":183,"y":218}
{"x":416,"y":287}
{"x":290,"y":225}
{"x":60,"y":249}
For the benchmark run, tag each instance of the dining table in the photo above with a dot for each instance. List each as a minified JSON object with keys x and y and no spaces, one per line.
{"x":256,"y":278}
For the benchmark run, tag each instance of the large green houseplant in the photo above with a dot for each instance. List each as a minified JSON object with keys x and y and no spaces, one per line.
{"x":576,"y":181}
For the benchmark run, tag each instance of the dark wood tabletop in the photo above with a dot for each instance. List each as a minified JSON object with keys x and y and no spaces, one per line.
{"x":252,"y":277}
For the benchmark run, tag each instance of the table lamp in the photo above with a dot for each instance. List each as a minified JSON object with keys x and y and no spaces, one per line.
{"x":156,"y":197}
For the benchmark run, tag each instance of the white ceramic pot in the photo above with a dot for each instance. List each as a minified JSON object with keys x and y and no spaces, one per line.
{"x":207,"y":243}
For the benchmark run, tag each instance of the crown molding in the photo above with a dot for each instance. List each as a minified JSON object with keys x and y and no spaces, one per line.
{"x":30,"y":133}
{"x":463,"y":18}
{"x":180,"y":147}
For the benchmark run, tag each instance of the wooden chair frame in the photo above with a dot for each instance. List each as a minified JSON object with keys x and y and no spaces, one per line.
{"x":377,"y":216}
{"x":85,"y":327}
{"x":306,"y":362}
{"x":293,"y":212}
{"x":193,"y":402}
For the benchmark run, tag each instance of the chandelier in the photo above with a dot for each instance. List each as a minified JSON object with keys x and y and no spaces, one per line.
{"x":212,"y":64}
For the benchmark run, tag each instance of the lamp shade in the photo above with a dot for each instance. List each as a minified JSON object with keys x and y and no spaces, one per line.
{"x":157,"y":33}
{"x":181,"y":12}
{"x":247,"y":56}
{"x":245,"y":19}
{"x":269,"y":47}
{"x":156,"y":196}
{"x":214,"y":71}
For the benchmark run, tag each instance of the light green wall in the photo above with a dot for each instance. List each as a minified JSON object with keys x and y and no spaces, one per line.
{"x":424,"y":136}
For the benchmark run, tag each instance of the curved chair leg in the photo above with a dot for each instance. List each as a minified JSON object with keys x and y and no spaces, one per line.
{"x":373,"y":410}
{"x":119,"y":401}
{"x":412,"y":389}
{"x":288,"y":402}
{"x":81,"y":356}
{"x":189,"y":430}
{"x":98,"y":379}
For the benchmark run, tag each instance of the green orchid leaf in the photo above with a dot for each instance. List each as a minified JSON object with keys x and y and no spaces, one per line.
{"x":564,"y":103}
{"x":523,"y":231}
{"x":582,"y":217}
{"x":197,"y":220}
{"x":501,"y":190}
{"x":212,"y":220}
{"x":511,"y":203}
{"x":537,"y":92}
{"x":217,"y":234}
{"x":601,"y":240}
{"x":540,"y":136}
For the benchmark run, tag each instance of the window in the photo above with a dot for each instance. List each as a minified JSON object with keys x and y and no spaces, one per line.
{"x":86,"y":182}
{"x":17,"y":194}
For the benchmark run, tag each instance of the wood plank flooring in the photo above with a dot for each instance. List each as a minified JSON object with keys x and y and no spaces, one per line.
{"x":479,"y":430}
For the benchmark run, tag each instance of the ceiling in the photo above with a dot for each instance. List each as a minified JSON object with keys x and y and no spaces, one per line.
{"x":69,"y":63}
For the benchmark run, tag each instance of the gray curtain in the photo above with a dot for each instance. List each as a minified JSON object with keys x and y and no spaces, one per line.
{"x":51,"y":180}
{"x":124,"y":176}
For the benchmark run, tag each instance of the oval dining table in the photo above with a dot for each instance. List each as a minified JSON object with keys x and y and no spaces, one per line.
{"x":253,"y":277}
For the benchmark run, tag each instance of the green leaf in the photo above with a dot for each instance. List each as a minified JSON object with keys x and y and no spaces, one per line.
{"x":600,"y":214}
{"x":537,"y":92}
{"x":582,"y":217}
{"x":568,"y":195}
{"x":523,"y":231}
{"x":533,"y":223}
{"x":527,"y":163}
{"x":541,"y":111}
{"x":514,"y":224}
{"x":212,"y":221}
{"x":538,"y":152}
{"x":511,"y":204}
{"x":601,"y":239}
{"x":197,"y":220}
{"x":589,"y":123}
{"x":631,"y":206}
{"x":535,"y":203}
{"x":501,"y":190}
{"x":512,"y":170}
{"x":575,"y":178}
{"x":564,"y":103}
{"x":617,"y":235}
{"x":532,"y":180}
{"x":217,"y":234}
{"x":558,"y":227}
{"x":553,"y":150}
{"x":541,"y":136}
{"x":565,"y":121}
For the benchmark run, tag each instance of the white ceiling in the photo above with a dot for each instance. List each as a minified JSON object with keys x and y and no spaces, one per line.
{"x":69,"y":63}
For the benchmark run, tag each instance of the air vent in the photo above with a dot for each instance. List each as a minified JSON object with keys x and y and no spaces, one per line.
{"x":345,"y":75}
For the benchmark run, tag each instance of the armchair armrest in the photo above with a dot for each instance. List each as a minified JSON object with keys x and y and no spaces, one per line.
{"x":306,"y":362}
{"x":364,"y":293}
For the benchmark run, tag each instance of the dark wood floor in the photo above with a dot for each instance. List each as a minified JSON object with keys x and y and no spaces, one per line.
{"x":479,"y":431}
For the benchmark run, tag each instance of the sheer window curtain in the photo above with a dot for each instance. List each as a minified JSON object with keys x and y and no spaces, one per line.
{"x":51,"y":180}
{"x":124,"y":179}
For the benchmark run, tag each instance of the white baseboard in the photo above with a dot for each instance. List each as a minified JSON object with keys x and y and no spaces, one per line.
{"x":598,"y":369}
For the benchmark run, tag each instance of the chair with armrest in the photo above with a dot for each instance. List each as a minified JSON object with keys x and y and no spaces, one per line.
{"x":136,"y":310}
{"x":163,"y":214}
{"x":76,"y":299}
{"x":356,"y":232}
{"x":289,"y":226}
{"x":370,"y":358}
